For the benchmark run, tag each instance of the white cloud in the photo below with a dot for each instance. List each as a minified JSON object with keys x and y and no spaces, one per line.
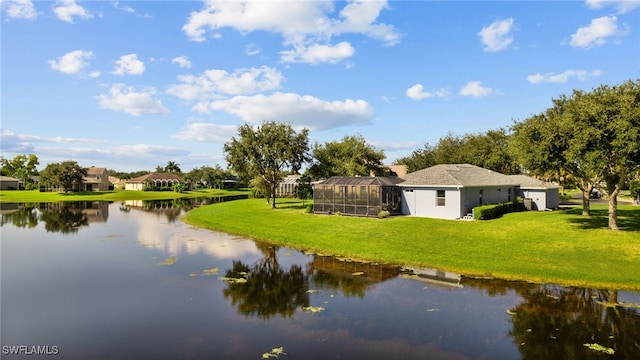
{"x":215,"y":83}
{"x":206,"y":132}
{"x":596,"y":33}
{"x":21,"y":9}
{"x":300,"y":111}
{"x":305,"y":25}
{"x":623,"y":6}
{"x":21,"y":143}
{"x":475,"y":89}
{"x":316,"y":53}
{"x":66,"y":10}
{"x":416,"y":92}
{"x":125,"y":8}
{"x":497,"y":36}
{"x":252,"y":50}
{"x":562,"y":77}
{"x":126,"y":99}
{"x":128,"y":65}
{"x":182,"y":61}
{"x":72,"y":62}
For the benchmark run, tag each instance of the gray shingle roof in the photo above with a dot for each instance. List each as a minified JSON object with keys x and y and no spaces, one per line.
{"x":362,"y":180}
{"x":457,"y":175}
{"x":527,"y":182}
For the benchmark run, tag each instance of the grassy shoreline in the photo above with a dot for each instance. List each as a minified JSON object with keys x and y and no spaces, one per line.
{"x":559,"y":247}
{"x":35,"y":196}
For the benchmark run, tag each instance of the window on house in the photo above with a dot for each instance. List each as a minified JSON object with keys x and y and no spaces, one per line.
{"x":440,"y":199}
{"x":509,"y":195}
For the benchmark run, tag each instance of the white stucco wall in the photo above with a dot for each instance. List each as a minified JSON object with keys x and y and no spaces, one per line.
{"x":421,"y":201}
{"x":542,"y":198}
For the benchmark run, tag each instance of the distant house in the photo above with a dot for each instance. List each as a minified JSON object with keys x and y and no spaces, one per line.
{"x":154,"y":180}
{"x":451,"y":191}
{"x":537,"y":194}
{"x":97,"y":179}
{"x":117,"y":183}
{"x":287,"y":187}
{"x":360,"y":196}
{"x":9,"y":183}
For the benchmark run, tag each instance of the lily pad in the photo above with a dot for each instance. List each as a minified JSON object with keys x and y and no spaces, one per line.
{"x":598,"y":347}
{"x":209,"y":272}
{"x":169,"y":261}
{"x":313,"y":309}
{"x":275,"y":352}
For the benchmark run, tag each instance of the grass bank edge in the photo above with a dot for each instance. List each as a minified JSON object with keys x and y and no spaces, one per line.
{"x":559,"y":247}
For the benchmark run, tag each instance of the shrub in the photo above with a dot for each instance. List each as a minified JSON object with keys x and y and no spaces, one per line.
{"x":338,"y":213}
{"x":492,"y":211}
{"x":309,"y":209}
{"x":383,"y":214}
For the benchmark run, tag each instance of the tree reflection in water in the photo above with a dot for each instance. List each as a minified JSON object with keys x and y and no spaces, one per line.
{"x":20,"y":217}
{"x":555,"y":322}
{"x":64,"y":219}
{"x":269,"y":289}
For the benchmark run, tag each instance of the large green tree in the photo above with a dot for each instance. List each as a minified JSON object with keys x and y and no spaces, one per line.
{"x":67,"y":174}
{"x":593,"y":137}
{"x":211,"y":177}
{"x":267,"y":151}
{"x":351,"y":156}
{"x":488,"y":150}
{"x":607,"y":139}
{"x":419,"y":159}
{"x":20,"y":167}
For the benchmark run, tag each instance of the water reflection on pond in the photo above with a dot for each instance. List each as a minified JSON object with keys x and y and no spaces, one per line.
{"x":130,"y":280}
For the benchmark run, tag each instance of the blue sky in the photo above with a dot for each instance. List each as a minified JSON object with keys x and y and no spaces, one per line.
{"x":133,"y":85}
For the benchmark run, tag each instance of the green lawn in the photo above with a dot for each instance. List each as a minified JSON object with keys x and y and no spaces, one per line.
{"x":560,"y":247}
{"x":35,"y":196}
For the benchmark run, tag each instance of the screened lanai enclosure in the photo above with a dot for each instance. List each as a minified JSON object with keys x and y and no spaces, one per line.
{"x":358,"y":196}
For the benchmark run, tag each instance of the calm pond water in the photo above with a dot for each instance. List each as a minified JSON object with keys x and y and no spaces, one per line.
{"x":131,"y":281}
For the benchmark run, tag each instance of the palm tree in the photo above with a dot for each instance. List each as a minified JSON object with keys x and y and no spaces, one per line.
{"x":172,"y":167}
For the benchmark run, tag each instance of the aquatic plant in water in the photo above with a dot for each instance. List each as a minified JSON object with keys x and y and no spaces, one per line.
{"x":275,"y":352}
{"x":169,"y":261}
{"x":600,"y":348}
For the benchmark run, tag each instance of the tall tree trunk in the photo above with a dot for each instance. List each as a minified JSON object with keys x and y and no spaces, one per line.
{"x":613,"y":208}
{"x":586,"y":200}
{"x":273,"y":195}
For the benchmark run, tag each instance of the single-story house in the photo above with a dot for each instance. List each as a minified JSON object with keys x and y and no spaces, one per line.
{"x":9,"y":183}
{"x":446,"y":191}
{"x":360,"y":196}
{"x":153,"y":181}
{"x":97,"y":179}
{"x":542,"y":195}
{"x":451,"y":191}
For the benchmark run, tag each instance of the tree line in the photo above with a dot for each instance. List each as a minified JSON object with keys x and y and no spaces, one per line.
{"x":590,"y":139}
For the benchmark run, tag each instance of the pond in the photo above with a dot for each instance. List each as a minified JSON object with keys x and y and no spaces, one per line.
{"x":130,"y":280}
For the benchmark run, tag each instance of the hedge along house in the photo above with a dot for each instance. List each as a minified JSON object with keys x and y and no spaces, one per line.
{"x":537,"y":194}
{"x":359,"y":196}
{"x":451,"y":191}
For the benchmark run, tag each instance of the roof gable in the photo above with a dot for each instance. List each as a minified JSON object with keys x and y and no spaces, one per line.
{"x":96,"y":171}
{"x":462,"y":175}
